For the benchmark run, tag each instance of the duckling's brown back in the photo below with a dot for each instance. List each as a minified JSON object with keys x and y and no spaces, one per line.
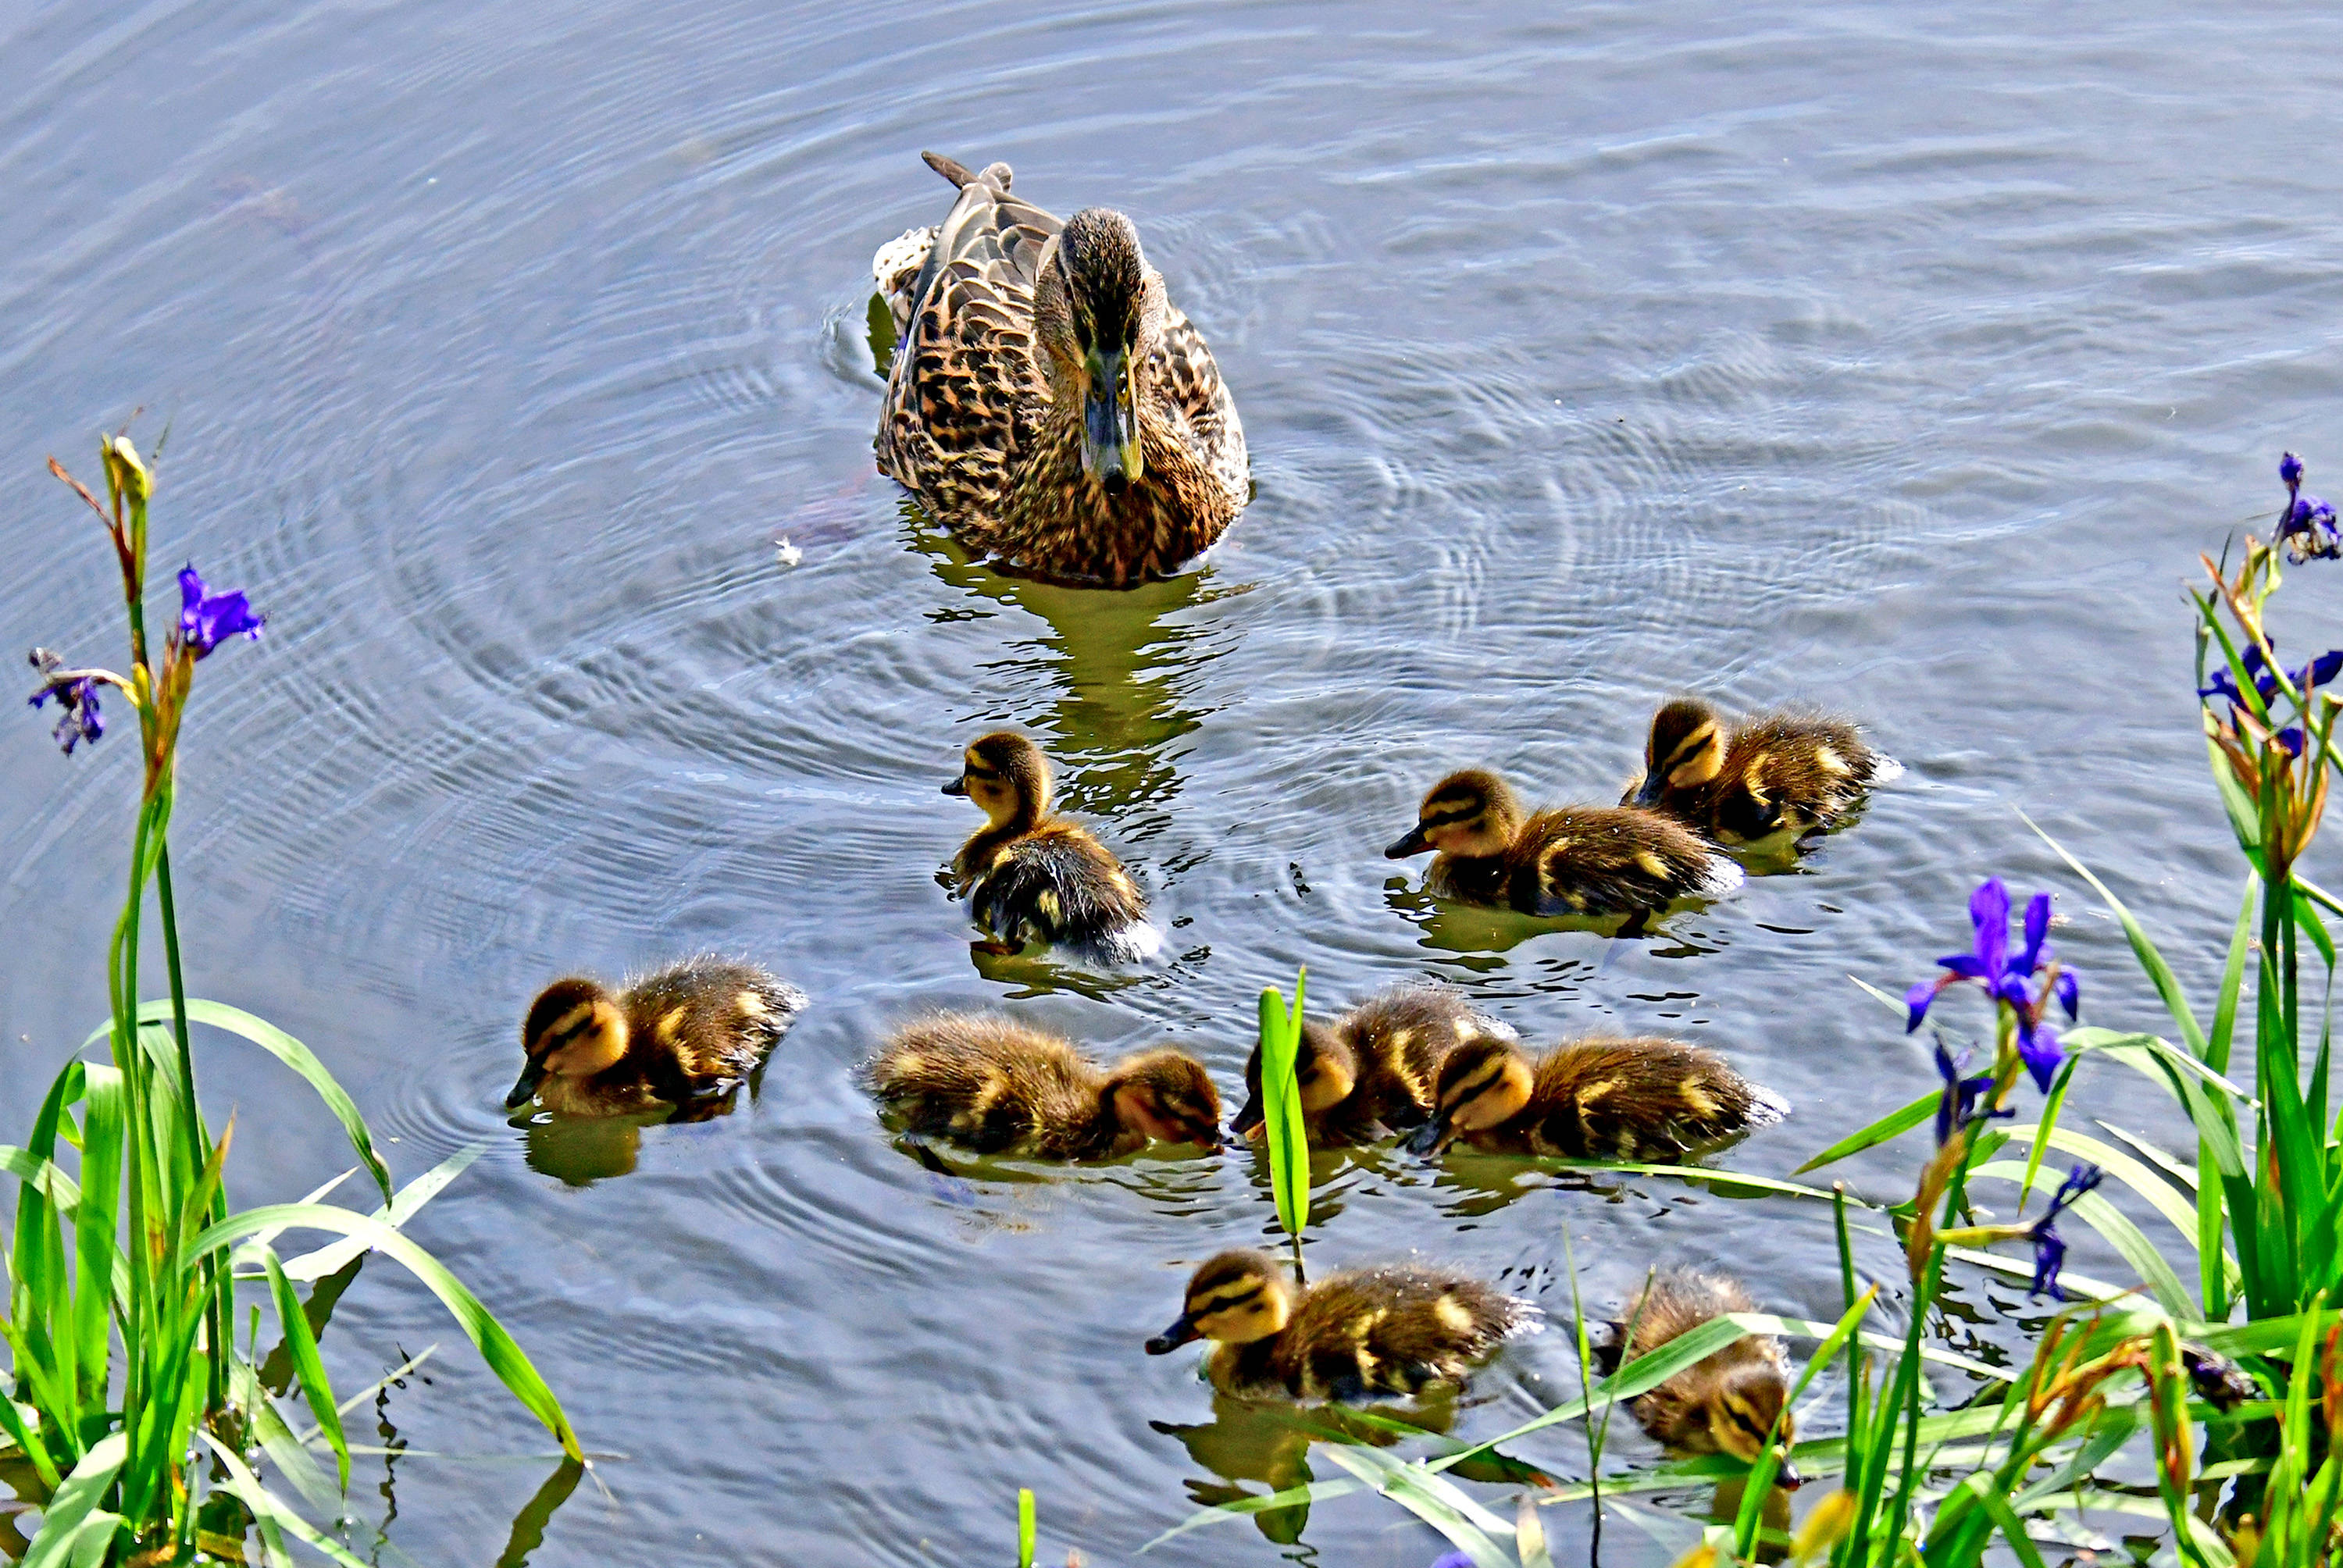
{"x":1612,"y":860}
{"x":1391,"y":1330}
{"x":1643,"y":1098}
{"x":706,"y":1024}
{"x":1400,"y":1039}
{"x":1676,"y":1301}
{"x":1055,"y":884}
{"x":990,"y":1083}
{"x":1790,"y":772}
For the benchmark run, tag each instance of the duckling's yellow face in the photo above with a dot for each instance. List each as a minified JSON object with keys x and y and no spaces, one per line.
{"x":1469,"y":814}
{"x":1685,"y":749}
{"x":1007,"y":775}
{"x":1234,"y":1299}
{"x":1167,"y":1095}
{"x":1483,"y":1083}
{"x":1742,"y":1412}
{"x":573,"y":1031}
{"x":1325,"y":1070}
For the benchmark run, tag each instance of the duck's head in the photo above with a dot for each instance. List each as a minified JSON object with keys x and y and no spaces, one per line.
{"x":1686,"y":748}
{"x":1234,"y":1299}
{"x":1166,"y":1094}
{"x":1742,"y":1409}
{"x":1325,"y":1069}
{"x":574,"y":1030}
{"x":1005,"y":774}
{"x":1098,"y":312}
{"x":1469,"y":814}
{"x":1483,"y":1082}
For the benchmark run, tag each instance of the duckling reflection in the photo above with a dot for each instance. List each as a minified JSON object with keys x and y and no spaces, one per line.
{"x":1391,"y":1329}
{"x":1727,"y":1402}
{"x":1776,"y":776}
{"x":996,"y":1085}
{"x":694,"y":1032}
{"x":1268,"y":1444}
{"x":1572,"y":861}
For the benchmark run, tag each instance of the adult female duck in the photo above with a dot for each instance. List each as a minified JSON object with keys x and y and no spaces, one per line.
{"x":1048,"y":403}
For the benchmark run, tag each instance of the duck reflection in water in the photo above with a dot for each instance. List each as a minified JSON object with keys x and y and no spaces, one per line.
{"x":579,"y":1151}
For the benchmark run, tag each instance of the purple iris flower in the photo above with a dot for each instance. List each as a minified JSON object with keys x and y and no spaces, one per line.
{"x":2050,"y":1251}
{"x":1957,"y":1107}
{"x":207,"y":619}
{"x":1452,"y":1560}
{"x":2305,"y":522}
{"x":2319,"y":671}
{"x":2003,"y":975}
{"x":80,"y":719}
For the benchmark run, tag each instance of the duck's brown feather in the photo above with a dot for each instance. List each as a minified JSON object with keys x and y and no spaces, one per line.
{"x":1621,"y":1097}
{"x":1387,"y":1330}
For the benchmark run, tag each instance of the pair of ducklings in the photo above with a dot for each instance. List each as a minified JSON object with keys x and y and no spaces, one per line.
{"x":1708,"y":781}
{"x":1416,"y":1059}
{"x":1394,"y":1329}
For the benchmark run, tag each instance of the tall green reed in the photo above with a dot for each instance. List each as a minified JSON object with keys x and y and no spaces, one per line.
{"x":138,"y":1417}
{"x":1283,"y":1129}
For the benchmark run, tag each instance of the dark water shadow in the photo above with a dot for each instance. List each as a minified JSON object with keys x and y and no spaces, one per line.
{"x":529,"y":1525}
{"x":1479,"y":937}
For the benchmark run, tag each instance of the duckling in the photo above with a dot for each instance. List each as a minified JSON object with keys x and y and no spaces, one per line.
{"x":1574,"y":861}
{"x":1740,"y":780}
{"x":997,"y":1086}
{"x":1370,"y":1073}
{"x":1386,"y":1330}
{"x":1048,"y":402}
{"x":1723,"y":1403}
{"x":687,"y":1033}
{"x":1029,"y":876}
{"x":1599,"y":1098}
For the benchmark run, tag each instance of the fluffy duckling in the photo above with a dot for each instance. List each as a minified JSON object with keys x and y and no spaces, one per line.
{"x":1599,"y":1098}
{"x":691,"y":1031}
{"x":1574,"y":861}
{"x":1029,"y":876}
{"x":1723,"y":1403}
{"x":1370,"y":1073}
{"x":1352,"y":1335}
{"x":1740,"y":780}
{"x":998,"y":1086}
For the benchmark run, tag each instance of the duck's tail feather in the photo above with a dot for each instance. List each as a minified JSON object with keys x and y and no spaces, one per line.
{"x":962,"y":176}
{"x":1722,"y":877}
{"x":1883,"y":768}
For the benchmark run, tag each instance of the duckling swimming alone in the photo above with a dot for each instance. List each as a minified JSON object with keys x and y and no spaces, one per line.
{"x":1048,"y":402}
{"x":1574,"y":861}
{"x":1029,"y":876}
{"x":1352,"y":1335}
{"x":1599,"y":1098}
{"x":691,"y":1031}
{"x":1370,"y":1073}
{"x":1723,"y":1403}
{"x":997,"y":1086}
{"x":1744,"y":779}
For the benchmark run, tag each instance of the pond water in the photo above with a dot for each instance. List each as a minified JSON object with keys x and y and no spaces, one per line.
{"x":1826,"y":353}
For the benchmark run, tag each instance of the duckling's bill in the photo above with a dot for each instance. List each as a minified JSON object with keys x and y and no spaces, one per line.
{"x":525,"y":1090}
{"x":1181,"y":1331}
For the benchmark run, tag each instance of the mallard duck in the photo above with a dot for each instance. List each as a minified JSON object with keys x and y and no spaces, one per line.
{"x":1352,"y":1335}
{"x":689,"y":1032}
{"x":1723,"y":1403}
{"x":1048,"y":402}
{"x":998,"y":1086}
{"x":1740,"y":780}
{"x":1599,"y":1098}
{"x":1031,"y":877}
{"x":1573,"y":860}
{"x":1370,"y":1073}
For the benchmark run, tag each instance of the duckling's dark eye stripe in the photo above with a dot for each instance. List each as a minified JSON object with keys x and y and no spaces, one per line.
{"x":1450,"y":816}
{"x":1249,"y":1292}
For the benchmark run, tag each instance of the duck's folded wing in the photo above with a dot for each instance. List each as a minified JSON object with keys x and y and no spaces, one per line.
{"x":1183,"y":369}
